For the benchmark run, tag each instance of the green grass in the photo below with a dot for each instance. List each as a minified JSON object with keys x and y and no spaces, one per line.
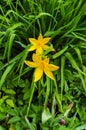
{"x":27,"y":105}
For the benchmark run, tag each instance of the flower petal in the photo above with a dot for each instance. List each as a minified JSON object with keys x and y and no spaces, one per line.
{"x":52,"y":67}
{"x":30,"y":64}
{"x":39,"y":50}
{"x":45,"y":47}
{"x":32,"y":48}
{"x":46,"y":61}
{"x":43,"y":40}
{"x":36,"y":58}
{"x":38,"y":74}
{"x":46,"y":40}
{"x":40,"y":37}
{"x":33,"y":41}
{"x":49,"y":74}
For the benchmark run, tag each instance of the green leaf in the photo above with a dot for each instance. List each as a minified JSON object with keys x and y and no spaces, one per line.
{"x":14,"y":119}
{"x":1,"y":128}
{"x":18,"y":126}
{"x":73,"y":63}
{"x":78,"y":53}
{"x":30,"y":126}
{"x":3,"y":78}
{"x":46,"y":115}
{"x":60,"y":52}
{"x":79,"y":37}
{"x":12,"y":112}
{"x":2,"y":99}
{"x":81,"y":127}
{"x":10,"y":102}
{"x":2,"y":116}
{"x":26,"y":95}
{"x":10,"y":44}
{"x":10,"y":91}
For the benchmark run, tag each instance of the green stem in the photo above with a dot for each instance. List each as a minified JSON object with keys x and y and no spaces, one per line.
{"x":62,"y":74}
{"x":30,"y":100}
{"x":57,"y":97}
{"x":47,"y":92}
{"x":39,"y":92}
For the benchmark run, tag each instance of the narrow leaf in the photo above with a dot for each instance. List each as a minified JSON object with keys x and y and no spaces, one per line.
{"x":3,"y":78}
{"x":14,"y":119}
{"x":60,"y":52}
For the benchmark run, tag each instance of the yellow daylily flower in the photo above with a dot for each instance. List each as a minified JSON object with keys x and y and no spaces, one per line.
{"x":41,"y":65}
{"x":39,"y":44}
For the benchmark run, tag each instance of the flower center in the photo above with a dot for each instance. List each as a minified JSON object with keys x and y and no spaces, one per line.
{"x":42,"y":65}
{"x":39,"y":44}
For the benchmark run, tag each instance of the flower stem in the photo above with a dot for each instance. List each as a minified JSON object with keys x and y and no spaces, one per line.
{"x":57,"y":97}
{"x":47,"y":92}
{"x":30,"y":100}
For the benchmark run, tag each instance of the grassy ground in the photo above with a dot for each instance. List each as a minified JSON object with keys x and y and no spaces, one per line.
{"x":46,"y":104}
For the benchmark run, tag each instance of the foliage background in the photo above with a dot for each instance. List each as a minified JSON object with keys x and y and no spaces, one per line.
{"x":23,"y":104}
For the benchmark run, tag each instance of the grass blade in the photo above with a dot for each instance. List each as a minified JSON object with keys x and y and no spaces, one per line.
{"x":6,"y":72}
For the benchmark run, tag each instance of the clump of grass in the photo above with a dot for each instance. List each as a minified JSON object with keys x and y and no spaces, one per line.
{"x":28,"y":105}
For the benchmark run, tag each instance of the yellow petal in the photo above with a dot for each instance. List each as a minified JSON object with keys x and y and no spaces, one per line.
{"x":38,"y":74}
{"x":39,"y":50}
{"x":46,"y":61}
{"x":46,"y":40}
{"x":36,"y":58}
{"x":45,"y":47}
{"x":40,"y":37}
{"x":49,"y":74}
{"x":32,"y":48}
{"x":52,"y":67}
{"x":30,"y":64}
{"x":33,"y":41}
{"x":43,"y":40}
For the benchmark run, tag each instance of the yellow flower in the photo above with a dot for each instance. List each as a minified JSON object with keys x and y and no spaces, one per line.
{"x":39,"y":44}
{"x":41,"y":65}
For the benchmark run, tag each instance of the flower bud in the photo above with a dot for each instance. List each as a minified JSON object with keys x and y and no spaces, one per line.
{"x":62,"y":122}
